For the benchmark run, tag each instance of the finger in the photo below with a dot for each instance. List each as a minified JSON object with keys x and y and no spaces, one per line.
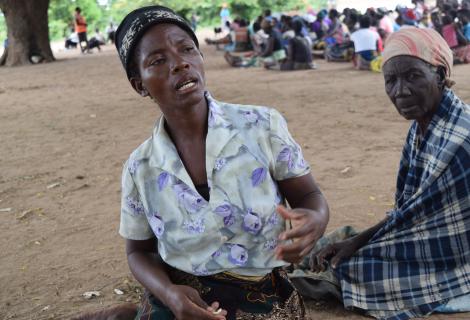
{"x":308,"y":249}
{"x":213,"y":307}
{"x":337,"y":258}
{"x":294,"y":247}
{"x":285,"y":213}
{"x":314,"y":266}
{"x":326,"y":252}
{"x":322,"y":255}
{"x":197,"y":300}
{"x":193,"y":311}
{"x":302,"y":231}
{"x":224,"y":313}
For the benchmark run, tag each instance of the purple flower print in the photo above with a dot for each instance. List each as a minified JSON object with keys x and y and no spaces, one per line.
{"x":273,"y":219}
{"x":211,"y":120}
{"x":157,"y":225}
{"x":228,"y":221}
{"x":286,"y":156}
{"x":238,"y":255}
{"x":226,"y":212}
{"x":216,"y":254}
{"x":135,"y":205}
{"x":163,"y":179}
{"x":200,"y":270}
{"x":270,"y":244}
{"x":258,"y":176}
{"x":252,"y":223}
{"x":194,"y":226}
{"x":219,"y":163}
{"x":190,"y":200}
{"x":251,"y":117}
{"x":216,"y":116}
{"x":133,"y":166}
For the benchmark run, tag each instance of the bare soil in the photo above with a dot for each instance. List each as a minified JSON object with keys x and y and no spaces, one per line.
{"x":67,"y":127}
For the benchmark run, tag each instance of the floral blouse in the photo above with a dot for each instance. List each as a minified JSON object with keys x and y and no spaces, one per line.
{"x":248,"y":149}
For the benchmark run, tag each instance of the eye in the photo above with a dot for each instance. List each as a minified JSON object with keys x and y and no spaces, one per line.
{"x":413,"y":76}
{"x":188,"y":49}
{"x":157,"y":61}
{"x":389,"y":80}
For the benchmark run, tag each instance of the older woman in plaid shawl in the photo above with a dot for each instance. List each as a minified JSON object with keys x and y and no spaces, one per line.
{"x":417,"y":260}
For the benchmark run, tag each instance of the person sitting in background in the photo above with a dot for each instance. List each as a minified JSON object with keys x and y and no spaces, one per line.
{"x":237,"y":40}
{"x":465,"y":5}
{"x":338,"y":46}
{"x":111,"y":31}
{"x":385,"y":22}
{"x":436,"y":20}
{"x":336,"y":33}
{"x":258,"y":41}
{"x":274,"y":54}
{"x":72,"y":41}
{"x":455,"y":38}
{"x":287,"y":31}
{"x":365,"y":44}
{"x":319,"y":26}
{"x":96,"y":41}
{"x":464,"y":18}
{"x":299,"y":51}
{"x":351,"y":18}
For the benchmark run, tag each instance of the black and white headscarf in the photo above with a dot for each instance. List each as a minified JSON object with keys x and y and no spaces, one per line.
{"x":137,"y":22}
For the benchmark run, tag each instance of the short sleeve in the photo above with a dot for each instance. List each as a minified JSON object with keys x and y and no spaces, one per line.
{"x":134,"y":224}
{"x":287,"y":155}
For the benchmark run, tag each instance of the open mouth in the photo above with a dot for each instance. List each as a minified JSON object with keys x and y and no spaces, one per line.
{"x":187,"y":84}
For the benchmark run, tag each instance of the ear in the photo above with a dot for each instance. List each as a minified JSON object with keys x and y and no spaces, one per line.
{"x":441,"y":74}
{"x":136,"y":83}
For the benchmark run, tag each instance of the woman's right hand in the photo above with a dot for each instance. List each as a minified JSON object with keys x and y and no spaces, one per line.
{"x":185,"y":303}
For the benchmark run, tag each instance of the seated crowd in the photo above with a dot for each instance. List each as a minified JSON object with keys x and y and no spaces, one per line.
{"x":289,"y":42}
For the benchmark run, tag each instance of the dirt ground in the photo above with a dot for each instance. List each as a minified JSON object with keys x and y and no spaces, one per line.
{"x":67,"y":127}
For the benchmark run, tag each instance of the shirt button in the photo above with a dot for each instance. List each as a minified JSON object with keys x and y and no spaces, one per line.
{"x":224,"y":238}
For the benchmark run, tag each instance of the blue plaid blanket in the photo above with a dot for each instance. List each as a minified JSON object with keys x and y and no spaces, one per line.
{"x":421,"y":257}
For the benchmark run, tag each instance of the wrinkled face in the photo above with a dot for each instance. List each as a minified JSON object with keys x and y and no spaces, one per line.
{"x":171,"y":67}
{"x":413,"y":86}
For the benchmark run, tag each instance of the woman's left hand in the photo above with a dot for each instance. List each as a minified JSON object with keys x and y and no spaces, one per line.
{"x":307,"y":227}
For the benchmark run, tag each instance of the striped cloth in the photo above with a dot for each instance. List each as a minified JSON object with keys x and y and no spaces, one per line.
{"x":421,"y":257}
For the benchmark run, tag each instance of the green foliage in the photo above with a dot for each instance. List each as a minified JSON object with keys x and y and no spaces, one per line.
{"x":98,"y":16}
{"x":208,"y":10}
{"x":61,"y":16}
{"x":3,"y":29}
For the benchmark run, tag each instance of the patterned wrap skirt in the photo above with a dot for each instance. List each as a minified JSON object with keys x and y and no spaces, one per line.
{"x":271,"y":297}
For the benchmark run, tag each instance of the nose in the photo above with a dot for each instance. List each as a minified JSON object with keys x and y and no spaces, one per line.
{"x":179,"y":65}
{"x":401,"y":89}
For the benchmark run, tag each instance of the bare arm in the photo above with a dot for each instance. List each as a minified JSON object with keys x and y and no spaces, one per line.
{"x":335,"y":252}
{"x":290,"y":51}
{"x":269,"y":47}
{"x":149,"y":269}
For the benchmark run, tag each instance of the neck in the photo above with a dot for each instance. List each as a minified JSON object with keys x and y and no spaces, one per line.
{"x":190,"y":123}
{"x":423,"y":125}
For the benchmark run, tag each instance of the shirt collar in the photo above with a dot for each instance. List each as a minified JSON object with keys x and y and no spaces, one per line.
{"x":163,"y":154}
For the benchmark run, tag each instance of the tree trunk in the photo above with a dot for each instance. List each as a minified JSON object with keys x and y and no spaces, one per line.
{"x":28,"y":31}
